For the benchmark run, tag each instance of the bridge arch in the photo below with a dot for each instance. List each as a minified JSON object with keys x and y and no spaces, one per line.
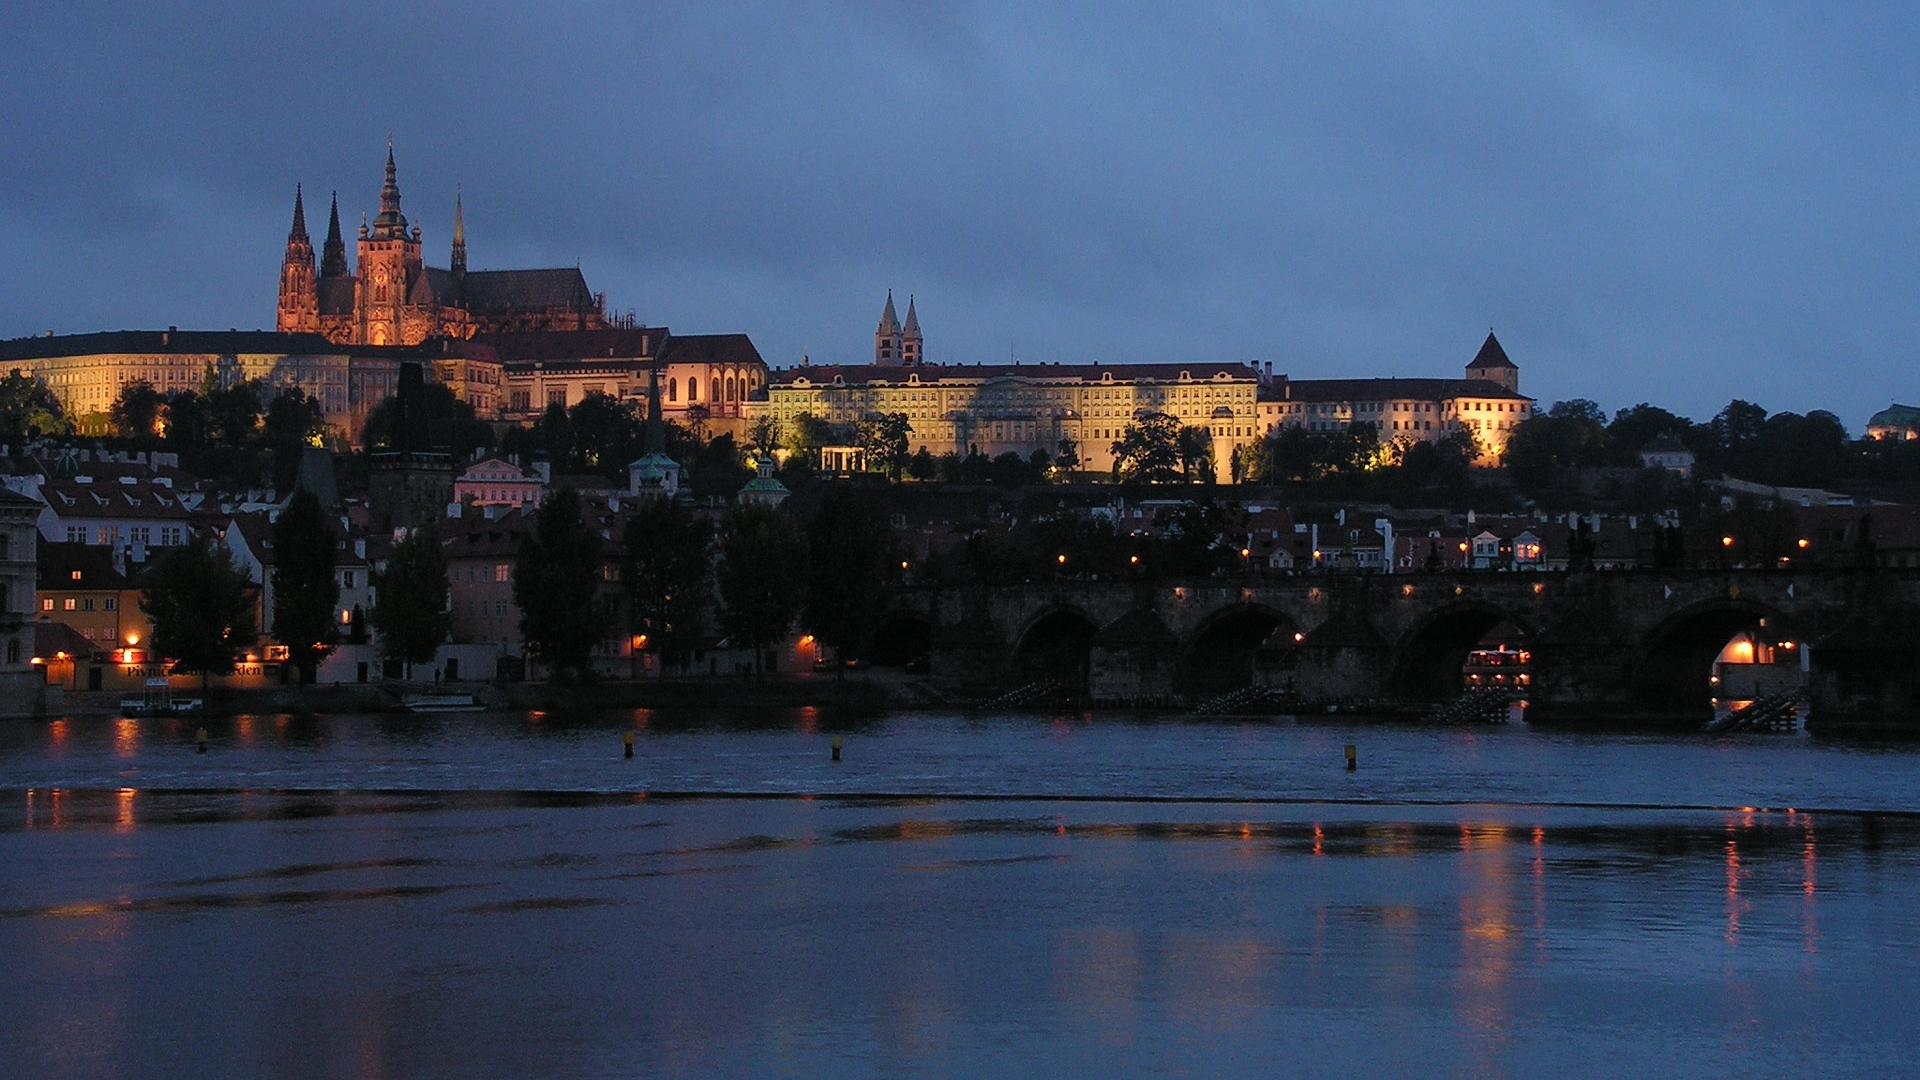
{"x":1674,"y":663}
{"x":1428,"y":660}
{"x":1056,"y":643}
{"x":1221,"y":654}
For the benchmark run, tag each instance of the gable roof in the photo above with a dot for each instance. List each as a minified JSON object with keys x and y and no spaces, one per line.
{"x":498,"y":291}
{"x":169,"y":342}
{"x":710,"y":349}
{"x":855,"y":374}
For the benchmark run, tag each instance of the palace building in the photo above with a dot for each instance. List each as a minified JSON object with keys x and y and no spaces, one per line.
{"x":1486,"y":403}
{"x":391,"y":297}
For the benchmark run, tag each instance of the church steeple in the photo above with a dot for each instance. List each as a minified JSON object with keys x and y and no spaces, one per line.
{"x":333,"y":256}
{"x":459,"y":263}
{"x":390,"y":224}
{"x":886,"y":339}
{"x":299,"y":309}
{"x":911,"y":352}
{"x":298,"y":234}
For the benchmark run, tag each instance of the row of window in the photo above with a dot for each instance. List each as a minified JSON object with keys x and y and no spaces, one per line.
{"x":106,"y":535}
{"x":107,"y":603}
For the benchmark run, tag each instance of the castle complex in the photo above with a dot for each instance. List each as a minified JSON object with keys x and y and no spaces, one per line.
{"x":392,"y":297}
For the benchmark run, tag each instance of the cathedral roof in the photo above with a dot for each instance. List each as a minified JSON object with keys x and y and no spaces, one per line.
{"x":889,"y":322}
{"x":1491,"y":355}
{"x":488,"y":291}
{"x":912,"y":328}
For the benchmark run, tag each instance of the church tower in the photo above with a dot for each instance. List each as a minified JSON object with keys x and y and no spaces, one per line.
{"x":299,"y":295}
{"x":389,"y":265}
{"x":911,"y":351}
{"x":888,"y":339}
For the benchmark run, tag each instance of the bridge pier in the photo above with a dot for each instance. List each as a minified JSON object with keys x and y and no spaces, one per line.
{"x":1131,"y":661}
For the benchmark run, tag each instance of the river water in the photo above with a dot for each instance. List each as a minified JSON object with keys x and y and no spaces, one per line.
{"x":507,"y":895}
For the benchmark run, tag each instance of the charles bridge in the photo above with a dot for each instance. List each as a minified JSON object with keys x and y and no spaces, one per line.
{"x":1603,"y":644}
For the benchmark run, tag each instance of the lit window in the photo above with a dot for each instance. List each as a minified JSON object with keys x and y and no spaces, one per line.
{"x":67,"y":604}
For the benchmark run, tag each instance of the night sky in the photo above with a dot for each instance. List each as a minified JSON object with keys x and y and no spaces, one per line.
{"x":1674,"y":203}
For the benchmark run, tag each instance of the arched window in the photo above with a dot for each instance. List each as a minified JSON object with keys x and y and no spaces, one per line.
{"x":729,"y":388}
{"x":673,"y":389}
{"x":716,"y":389}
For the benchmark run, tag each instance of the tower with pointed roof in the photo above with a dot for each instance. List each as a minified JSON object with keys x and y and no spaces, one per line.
{"x":887,"y":340}
{"x":1491,"y":363}
{"x":337,"y":320}
{"x":389,"y":267}
{"x":299,"y":293}
{"x":458,"y":265}
{"x":911,"y":351}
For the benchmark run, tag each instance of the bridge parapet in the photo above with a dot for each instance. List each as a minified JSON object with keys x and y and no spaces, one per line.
{"x":1602,"y":642}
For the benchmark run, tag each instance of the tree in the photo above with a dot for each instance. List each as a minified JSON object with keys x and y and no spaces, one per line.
{"x":554,"y":584}
{"x":762,"y":564}
{"x":716,"y":468}
{"x":668,"y":577}
{"x":884,"y":438}
{"x":451,"y":423}
{"x":1196,"y":454}
{"x":28,"y":409}
{"x":234,"y":412}
{"x":305,"y":589}
{"x":188,"y":425}
{"x":1149,"y":449}
{"x":850,"y":568}
{"x":763,"y":435}
{"x":201,"y":607}
{"x":410,"y":607}
{"x":698,"y":417}
{"x":808,"y":435}
{"x":136,"y":411}
{"x":294,"y":423}
{"x":1068,"y":459}
{"x":923,"y":466}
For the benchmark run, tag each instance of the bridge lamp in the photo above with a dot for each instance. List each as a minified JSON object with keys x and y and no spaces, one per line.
{"x":1726,"y":541}
{"x":1803,"y":542}
{"x":1244,"y":552}
{"x":1463,"y":547}
{"x":1298,"y":637}
{"x":1133,"y":560}
{"x":903,"y":564}
{"x":1061,"y":558}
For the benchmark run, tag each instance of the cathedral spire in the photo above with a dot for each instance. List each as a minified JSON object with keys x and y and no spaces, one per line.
{"x":459,"y":263}
{"x":390,"y":224}
{"x":333,"y":256}
{"x":299,"y":230}
{"x":889,"y":322}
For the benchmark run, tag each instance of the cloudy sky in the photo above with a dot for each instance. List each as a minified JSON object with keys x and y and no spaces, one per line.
{"x":1674,"y":203}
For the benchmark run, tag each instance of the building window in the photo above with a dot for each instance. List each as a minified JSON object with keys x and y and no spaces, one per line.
{"x":500,"y":572}
{"x":142,"y":534}
{"x":110,"y":603}
{"x":87,"y":604}
{"x":170,"y":536}
{"x":46,"y":604}
{"x":67,"y":604}
{"x":76,"y":534}
{"x":557,"y":397}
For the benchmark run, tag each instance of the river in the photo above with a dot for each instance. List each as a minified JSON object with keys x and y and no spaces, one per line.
{"x":508,"y":895}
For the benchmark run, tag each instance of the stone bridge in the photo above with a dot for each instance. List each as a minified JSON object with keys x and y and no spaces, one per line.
{"x":1604,"y":644}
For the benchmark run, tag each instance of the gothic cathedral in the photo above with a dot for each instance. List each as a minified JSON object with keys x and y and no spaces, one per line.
{"x":393,"y":298}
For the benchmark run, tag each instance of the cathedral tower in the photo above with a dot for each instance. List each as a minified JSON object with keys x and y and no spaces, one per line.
{"x":887,"y":340}
{"x":389,"y":266}
{"x":299,"y":294}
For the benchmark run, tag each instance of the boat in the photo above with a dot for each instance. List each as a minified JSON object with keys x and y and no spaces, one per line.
{"x":158,"y":700}
{"x":439,"y":703}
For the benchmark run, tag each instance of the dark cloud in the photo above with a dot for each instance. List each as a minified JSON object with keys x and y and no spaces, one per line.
{"x":1678,"y":203}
